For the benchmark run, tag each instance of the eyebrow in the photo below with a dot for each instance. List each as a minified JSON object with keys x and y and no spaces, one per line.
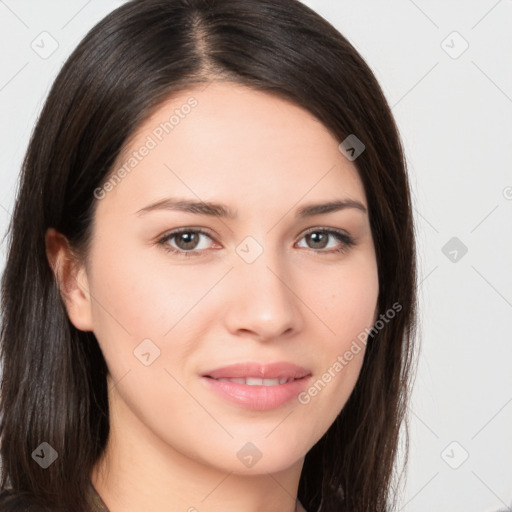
{"x":220,"y":210}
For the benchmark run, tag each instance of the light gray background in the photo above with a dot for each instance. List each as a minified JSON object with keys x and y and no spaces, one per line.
{"x":454,"y":111}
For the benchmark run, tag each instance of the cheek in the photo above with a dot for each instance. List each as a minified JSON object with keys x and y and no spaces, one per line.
{"x":346,"y":302}
{"x":346,"y":299}
{"x":136,"y":299}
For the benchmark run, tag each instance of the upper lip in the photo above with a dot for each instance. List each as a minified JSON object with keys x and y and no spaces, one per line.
{"x":279,"y":370}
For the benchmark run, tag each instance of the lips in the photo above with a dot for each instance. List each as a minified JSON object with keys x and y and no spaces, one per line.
{"x":259,"y":387}
{"x":255,"y":374}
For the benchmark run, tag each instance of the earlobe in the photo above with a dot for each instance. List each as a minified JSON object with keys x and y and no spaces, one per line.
{"x":71,"y":278}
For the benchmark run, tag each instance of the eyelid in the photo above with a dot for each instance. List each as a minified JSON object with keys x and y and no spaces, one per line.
{"x":326,"y":228}
{"x":188,"y":229}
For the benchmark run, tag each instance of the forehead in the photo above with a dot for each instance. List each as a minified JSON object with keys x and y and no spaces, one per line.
{"x":226,"y":141}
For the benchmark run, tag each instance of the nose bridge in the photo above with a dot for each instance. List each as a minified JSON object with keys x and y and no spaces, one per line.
{"x":263,"y":301}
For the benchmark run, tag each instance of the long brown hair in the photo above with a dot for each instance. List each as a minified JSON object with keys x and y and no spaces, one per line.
{"x":53,"y":386}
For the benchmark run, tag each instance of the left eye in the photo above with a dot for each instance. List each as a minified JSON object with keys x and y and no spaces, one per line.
{"x":187,"y":241}
{"x":321,"y":236}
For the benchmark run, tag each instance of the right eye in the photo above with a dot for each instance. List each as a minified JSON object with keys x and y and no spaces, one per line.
{"x":187,"y":238}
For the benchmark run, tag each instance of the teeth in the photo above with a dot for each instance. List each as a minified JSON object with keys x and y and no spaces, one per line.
{"x":253,"y":381}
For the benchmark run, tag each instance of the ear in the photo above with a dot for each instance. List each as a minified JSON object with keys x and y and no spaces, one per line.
{"x":71,"y":279}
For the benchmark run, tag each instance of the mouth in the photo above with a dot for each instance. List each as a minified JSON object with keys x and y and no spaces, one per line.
{"x":255,"y":381}
{"x":257,"y":374}
{"x":256,"y":386}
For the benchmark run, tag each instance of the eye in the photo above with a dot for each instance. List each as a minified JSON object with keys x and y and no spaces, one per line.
{"x":187,"y":240}
{"x":319,"y":238}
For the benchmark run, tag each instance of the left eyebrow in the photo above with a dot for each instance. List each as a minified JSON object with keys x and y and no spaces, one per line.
{"x":332,"y":206}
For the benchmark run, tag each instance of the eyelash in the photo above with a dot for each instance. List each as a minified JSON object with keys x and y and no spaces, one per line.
{"x":347,"y":241}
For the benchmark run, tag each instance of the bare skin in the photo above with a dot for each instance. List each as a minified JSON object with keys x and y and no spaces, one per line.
{"x":173,"y":443}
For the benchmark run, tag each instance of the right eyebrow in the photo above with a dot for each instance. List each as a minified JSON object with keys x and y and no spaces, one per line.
{"x":184,"y":205}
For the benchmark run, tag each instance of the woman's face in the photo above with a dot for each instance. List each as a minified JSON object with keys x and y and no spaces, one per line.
{"x":265,"y":285}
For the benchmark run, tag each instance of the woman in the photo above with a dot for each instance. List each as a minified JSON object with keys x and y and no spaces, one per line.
{"x":209,"y":298}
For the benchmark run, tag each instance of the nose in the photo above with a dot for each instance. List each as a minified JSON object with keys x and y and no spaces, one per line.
{"x":262,"y":301}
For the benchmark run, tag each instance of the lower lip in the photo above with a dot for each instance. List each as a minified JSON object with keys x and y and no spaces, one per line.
{"x":258,"y":398}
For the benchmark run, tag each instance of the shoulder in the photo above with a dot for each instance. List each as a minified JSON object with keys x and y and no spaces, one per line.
{"x":11,"y":501}
{"x":300,"y":507}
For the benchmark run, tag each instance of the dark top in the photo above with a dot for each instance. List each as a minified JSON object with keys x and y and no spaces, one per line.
{"x":23,"y":502}
{"x":96,"y":503}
